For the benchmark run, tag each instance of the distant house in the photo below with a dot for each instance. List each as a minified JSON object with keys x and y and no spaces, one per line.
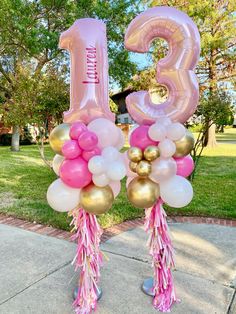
{"x":119,"y":99}
{"x":234,"y":124}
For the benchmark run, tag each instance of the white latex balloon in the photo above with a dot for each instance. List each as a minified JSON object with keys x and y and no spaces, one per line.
{"x":100,"y":179}
{"x":121,"y":140}
{"x":56,"y":163}
{"x":61,"y":197}
{"x":157,"y":132}
{"x":106,"y":131}
{"x":126,"y":162}
{"x":116,"y":187}
{"x":176,"y":192}
{"x":110,"y":153}
{"x":97,"y":165}
{"x":164,"y":121}
{"x":163,"y":169}
{"x":116,"y":171}
{"x":167,"y":148}
{"x":175,"y":131}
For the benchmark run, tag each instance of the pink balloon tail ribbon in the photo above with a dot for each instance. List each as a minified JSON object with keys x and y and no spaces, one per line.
{"x":162,"y":252}
{"x":88,"y":259}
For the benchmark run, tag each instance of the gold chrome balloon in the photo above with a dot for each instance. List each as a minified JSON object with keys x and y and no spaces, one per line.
{"x":58,"y":136}
{"x":144,"y":168}
{"x":133,"y":166}
{"x":96,"y":200}
{"x":151,"y":153}
{"x":184,"y":145}
{"x":135,"y":154}
{"x":143,"y":192}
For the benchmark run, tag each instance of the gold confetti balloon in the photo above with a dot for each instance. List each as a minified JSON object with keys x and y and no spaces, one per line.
{"x":151,"y":153}
{"x":133,"y":166}
{"x":135,"y":154}
{"x":143,"y":192}
{"x":96,"y":200}
{"x":58,"y":136}
{"x":184,"y":145}
{"x":144,"y":168}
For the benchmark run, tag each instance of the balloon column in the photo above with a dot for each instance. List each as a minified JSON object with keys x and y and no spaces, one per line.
{"x":87,"y":158}
{"x":158,"y":161}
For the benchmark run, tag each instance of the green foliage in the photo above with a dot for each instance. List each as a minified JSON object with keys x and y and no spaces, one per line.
{"x":30,"y":60}
{"x":216,"y":107}
{"x":216,"y":24}
{"x":29,"y":179}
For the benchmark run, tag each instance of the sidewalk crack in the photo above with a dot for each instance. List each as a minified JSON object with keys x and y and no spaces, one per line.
{"x":35,"y":282}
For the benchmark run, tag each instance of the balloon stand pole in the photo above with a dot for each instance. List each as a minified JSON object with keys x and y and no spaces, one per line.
{"x":161,"y":286}
{"x":88,"y":259}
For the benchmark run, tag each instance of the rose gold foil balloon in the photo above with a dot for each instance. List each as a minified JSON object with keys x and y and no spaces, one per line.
{"x":86,"y":41}
{"x":175,"y":71}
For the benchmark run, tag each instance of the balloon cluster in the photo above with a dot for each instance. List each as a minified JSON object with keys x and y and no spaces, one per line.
{"x":158,"y":163}
{"x":89,"y":164}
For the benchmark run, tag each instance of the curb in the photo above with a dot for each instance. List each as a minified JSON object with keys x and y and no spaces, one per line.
{"x":108,"y":233}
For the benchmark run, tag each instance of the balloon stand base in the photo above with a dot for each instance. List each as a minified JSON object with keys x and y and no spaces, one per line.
{"x":147,"y":287}
{"x":99,"y":293}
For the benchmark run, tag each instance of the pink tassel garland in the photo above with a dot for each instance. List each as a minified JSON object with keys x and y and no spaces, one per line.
{"x":88,"y":259}
{"x":162,"y":252}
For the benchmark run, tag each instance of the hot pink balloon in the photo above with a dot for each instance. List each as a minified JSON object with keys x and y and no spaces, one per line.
{"x":71,"y":149}
{"x":88,"y":140}
{"x":185,"y":166}
{"x":77,"y":129}
{"x":116,"y":187}
{"x":175,"y":71}
{"x":140,"y":137}
{"x":87,"y":155}
{"x":86,"y":41}
{"x":75,"y":173}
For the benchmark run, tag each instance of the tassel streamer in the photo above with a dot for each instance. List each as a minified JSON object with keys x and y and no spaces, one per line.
{"x":88,"y":259}
{"x":162,"y":252}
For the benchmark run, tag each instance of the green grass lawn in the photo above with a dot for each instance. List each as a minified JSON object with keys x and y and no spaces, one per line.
{"x":24,"y":180}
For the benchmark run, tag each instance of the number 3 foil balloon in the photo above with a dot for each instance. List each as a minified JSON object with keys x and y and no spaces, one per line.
{"x":163,"y":136}
{"x":175,"y":71}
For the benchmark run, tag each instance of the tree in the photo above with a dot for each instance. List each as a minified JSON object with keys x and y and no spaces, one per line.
{"x":29,"y":38}
{"x":215,"y":109}
{"x":216,"y":24}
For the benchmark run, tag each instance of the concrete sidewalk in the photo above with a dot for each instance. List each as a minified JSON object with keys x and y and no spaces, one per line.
{"x":36,"y":276}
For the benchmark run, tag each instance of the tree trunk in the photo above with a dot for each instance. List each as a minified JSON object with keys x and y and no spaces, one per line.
{"x":15,"y":140}
{"x":211,"y":138}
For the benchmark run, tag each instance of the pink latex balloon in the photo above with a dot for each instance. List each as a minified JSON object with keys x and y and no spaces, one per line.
{"x":116,"y":187}
{"x":140,"y":137}
{"x":175,"y":71}
{"x":77,"y":129}
{"x":87,"y":155}
{"x":88,"y":140}
{"x":185,"y":166}
{"x":71,"y":149}
{"x":75,"y":173}
{"x":86,"y":41}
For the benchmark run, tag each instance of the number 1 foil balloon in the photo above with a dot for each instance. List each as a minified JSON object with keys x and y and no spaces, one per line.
{"x":86,"y":41}
{"x":91,"y":165}
{"x":175,"y":71}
